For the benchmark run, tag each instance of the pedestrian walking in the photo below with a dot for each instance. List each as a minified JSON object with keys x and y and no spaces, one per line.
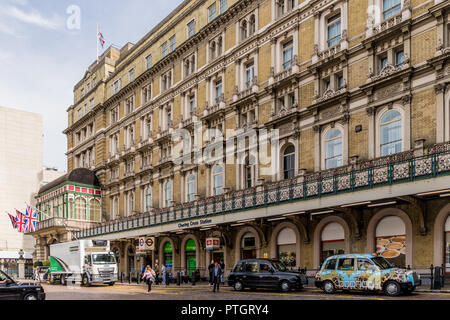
{"x":217,"y":272}
{"x":222,"y":277}
{"x":185,"y":276}
{"x":211,"y":270}
{"x":149,"y":277}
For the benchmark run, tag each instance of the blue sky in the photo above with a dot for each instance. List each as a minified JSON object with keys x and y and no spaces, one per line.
{"x":41,"y":59}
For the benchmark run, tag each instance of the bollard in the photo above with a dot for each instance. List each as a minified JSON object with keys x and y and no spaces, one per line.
{"x":193,"y":279}
{"x":431,"y":277}
{"x":437,"y":278}
{"x":178,"y":278}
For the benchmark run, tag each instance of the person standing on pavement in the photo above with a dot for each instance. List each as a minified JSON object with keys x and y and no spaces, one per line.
{"x":222,"y":277}
{"x":157,"y":274}
{"x":163,"y":273}
{"x":211,"y":269}
{"x":149,"y":277}
{"x":217,"y":272}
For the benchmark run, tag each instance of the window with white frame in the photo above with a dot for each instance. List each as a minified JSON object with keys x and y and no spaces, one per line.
{"x":148,"y":127}
{"x":129,"y":104}
{"x":391,"y":8}
{"x":223,"y":6}
{"x":249,"y":171}
{"x":130,"y":203}
{"x":148,"y":61}
{"x":115,"y":87}
{"x":146,"y":159}
{"x":218,"y":90}
{"x":212,"y":12}
{"x":191,"y":28}
{"x":147,"y":93}
{"x":288,"y":54}
{"x":91,"y":104}
{"x":382,"y":61}
{"x":164,"y":49}
{"x":333,"y":149}
{"x":148,"y":199}
{"x":218,"y":179}
{"x":131,"y":75}
{"x":244,"y":29}
{"x":172,"y":44}
{"x":114,"y":144}
{"x":79,"y":114}
{"x":399,"y":57}
{"x":284,"y":6}
{"x":249,"y":74}
{"x":85,"y":108}
{"x":190,"y":188}
{"x":168,"y":194}
{"x":289,"y":162}
{"x":192,"y":105}
{"x":391,"y":139}
{"x":334,"y":30}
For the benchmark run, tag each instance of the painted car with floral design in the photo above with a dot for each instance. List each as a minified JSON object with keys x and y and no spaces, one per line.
{"x":365,"y":272}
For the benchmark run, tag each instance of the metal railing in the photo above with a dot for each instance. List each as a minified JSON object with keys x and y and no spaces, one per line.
{"x":380,"y":172}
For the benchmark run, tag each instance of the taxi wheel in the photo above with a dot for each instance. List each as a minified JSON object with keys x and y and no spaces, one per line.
{"x":328,"y":287}
{"x":30,"y":296}
{"x":285,"y":286}
{"x":238,"y":286}
{"x":392,"y":289}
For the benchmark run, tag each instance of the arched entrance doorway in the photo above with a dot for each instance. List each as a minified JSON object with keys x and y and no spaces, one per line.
{"x":332,"y":241}
{"x":191,"y":256}
{"x":287,"y":248}
{"x":248,"y":246}
{"x":391,"y":240}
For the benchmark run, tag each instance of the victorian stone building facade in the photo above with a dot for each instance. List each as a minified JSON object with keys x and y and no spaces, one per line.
{"x":353,"y":95}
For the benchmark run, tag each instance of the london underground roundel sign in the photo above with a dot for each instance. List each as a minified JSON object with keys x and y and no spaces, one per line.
{"x":149,"y":242}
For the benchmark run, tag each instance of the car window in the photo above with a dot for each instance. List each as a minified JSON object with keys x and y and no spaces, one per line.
{"x":239,"y":267}
{"x":2,"y":277}
{"x":252,"y":267}
{"x":346,"y":264}
{"x":264,"y":267}
{"x":330,"y":265}
{"x":363,"y":264}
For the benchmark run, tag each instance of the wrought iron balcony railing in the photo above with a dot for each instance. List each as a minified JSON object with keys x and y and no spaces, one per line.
{"x":396,"y":169}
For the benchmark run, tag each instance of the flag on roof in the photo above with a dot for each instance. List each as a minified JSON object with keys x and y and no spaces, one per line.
{"x":30,"y":219}
{"x":20,"y":220}
{"x":13,"y":221}
{"x":101,"y":39}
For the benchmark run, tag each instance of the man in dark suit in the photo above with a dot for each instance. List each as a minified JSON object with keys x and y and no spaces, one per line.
{"x":217,"y":272}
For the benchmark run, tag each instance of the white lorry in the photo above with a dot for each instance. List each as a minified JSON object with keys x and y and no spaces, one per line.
{"x":85,"y":261}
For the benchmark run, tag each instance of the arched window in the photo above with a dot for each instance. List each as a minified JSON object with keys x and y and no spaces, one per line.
{"x":212,"y":47}
{"x":218,"y":180}
{"x":191,"y":188}
{"x":148,"y":199}
{"x":332,"y":240}
{"x":244,"y":30}
{"x":391,"y":240}
{"x":168,"y":194}
{"x":219,"y":46}
{"x":286,"y":243}
{"x":252,"y":25}
{"x":289,"y":162}
{"x":80,"y":208}
{"x":333,"y":149}
{"x":94,"y":210}
{"x":391,"y":133}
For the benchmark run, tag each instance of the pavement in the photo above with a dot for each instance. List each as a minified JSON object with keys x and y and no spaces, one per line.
{"x":203,"y":292}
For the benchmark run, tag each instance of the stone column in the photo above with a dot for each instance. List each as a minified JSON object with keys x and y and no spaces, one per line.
{"x":21,"y":265}
{"x":440,"y":113}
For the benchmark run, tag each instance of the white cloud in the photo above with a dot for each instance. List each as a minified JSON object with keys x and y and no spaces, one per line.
{"x":8,"y":30}
{"x":33,"y":17}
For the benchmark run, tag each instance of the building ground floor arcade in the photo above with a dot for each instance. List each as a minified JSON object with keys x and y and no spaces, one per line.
{"x":408,"y":233}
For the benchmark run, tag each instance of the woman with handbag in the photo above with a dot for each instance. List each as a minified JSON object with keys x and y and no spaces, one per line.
{"x":149,"y":277}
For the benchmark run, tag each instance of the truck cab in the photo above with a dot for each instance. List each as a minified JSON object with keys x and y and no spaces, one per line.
{"x":99,"y":267}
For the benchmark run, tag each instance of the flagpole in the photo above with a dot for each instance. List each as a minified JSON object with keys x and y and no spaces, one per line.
{"x":96,"y":39}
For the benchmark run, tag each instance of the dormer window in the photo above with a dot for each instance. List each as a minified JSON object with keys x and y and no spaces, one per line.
{"x":334,"y":30}
{"x":391,"y":8}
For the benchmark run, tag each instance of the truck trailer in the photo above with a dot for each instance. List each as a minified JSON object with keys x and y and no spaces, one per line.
{"x":83,"y":261}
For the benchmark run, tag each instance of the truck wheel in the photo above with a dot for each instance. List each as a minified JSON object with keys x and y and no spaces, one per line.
{"x":85,"y":281}
{"x":328,"y":287}
{"x":63,"y":280}
{"x":392,"y":289}
{"x":111,"y":284}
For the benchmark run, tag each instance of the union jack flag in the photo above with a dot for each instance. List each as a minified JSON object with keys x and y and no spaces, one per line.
{"x":13,"y":221}
{"x":30,"y":219}
{"x":20,"y":220}
{"x":101,"y":38}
